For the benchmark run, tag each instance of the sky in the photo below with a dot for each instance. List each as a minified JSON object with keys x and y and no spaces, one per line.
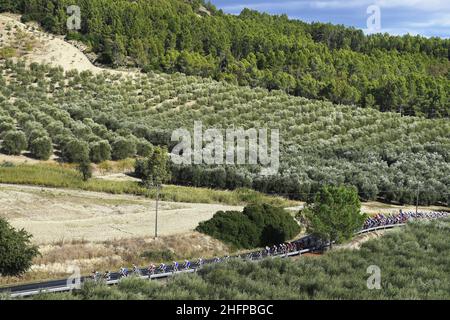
{"x":425,"y":17}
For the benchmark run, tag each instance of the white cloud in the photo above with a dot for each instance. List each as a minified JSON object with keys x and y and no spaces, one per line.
{"x":427,"y":17}
{"x":423,"y":5}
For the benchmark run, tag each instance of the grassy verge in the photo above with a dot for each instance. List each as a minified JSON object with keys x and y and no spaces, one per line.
{"x":57,"y":176}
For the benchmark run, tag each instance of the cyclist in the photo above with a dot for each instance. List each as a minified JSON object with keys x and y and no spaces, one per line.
{"x":162,"y":267}
{"x":95,"y":275}
{"x":151,"y":269}
{"x":187,"y":264}
{"x":107,"y":275}
{"x":136,"y":270}
{"x":123,"y":272}
{"x":274,"y":250}
{"x":200,"y":262}
{"x":175,"y":266}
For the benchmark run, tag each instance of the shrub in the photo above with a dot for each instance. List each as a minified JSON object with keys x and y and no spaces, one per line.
{"x":16,"y":250}
{"x":14,"y":142}
{"x":275,"y":224}
{"x":122,"y":148}
{"x":258,"y":225}
{"x":231,"y":227}
{"x":100,"y":151}
{"x":7,"y":164}
{"x":158,"y":256}
{"x":41,"y":148}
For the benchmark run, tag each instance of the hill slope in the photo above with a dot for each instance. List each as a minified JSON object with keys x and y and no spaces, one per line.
{"x":382,"y":154}
{"x":407,"y":74}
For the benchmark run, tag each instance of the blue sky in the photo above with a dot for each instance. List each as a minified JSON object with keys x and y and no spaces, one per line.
{"x":424,"y":17}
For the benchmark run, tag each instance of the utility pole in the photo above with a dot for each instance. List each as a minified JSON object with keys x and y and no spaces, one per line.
{"x":417,"y":198}
{"x":156,"y":217}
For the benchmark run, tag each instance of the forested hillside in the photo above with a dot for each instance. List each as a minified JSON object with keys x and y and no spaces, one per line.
{"x":108,"y":116}
{"x":409,"y":75}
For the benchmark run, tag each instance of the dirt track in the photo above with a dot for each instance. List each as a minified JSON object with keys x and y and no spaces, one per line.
{"x":55,"y":215}
{"x":46,"y":48}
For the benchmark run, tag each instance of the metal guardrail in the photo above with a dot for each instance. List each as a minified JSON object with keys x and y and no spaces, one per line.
{"x":193,"y":270}
{"x":390,"y":226}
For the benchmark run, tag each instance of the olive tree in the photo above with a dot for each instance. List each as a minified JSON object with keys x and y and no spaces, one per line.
{"x":123,"y":148}
{"x":100,"y":151}
{"x":41,"y":148}
{"x":14,"y":142}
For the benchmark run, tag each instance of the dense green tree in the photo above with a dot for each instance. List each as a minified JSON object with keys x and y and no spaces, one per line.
{"x":335,"y":215}
{"x":75,"y":150}
{"x":100,"y":151}
{"x":41,"y":147}
{"x":14,"y":142}
{"x":16,"y":250}
{"x":123,"y":148}
{"x":144,"y":148}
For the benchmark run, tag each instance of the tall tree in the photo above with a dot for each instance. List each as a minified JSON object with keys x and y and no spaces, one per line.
{"x":335,"y":214}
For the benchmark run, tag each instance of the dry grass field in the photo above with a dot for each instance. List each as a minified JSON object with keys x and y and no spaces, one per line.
{"x":53,"y":215}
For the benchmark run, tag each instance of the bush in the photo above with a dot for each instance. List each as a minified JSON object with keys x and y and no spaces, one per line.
{"x":158,"y":256}
{"x":41,"y":148}
{"x":122,"y":148}
{"x":16,"y":250}
{"x":231,"y":227}
{"x":275,"y":224}
{"x":14,"y":142}
{"x":100,"y":151}
{"x":258,"y":225}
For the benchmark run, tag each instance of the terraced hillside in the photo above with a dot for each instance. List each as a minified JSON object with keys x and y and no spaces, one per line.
{"x":383,"y":154}
{"x":408,"y":74}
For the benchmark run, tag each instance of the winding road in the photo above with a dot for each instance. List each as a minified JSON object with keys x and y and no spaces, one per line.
{"x":304,"y":245}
